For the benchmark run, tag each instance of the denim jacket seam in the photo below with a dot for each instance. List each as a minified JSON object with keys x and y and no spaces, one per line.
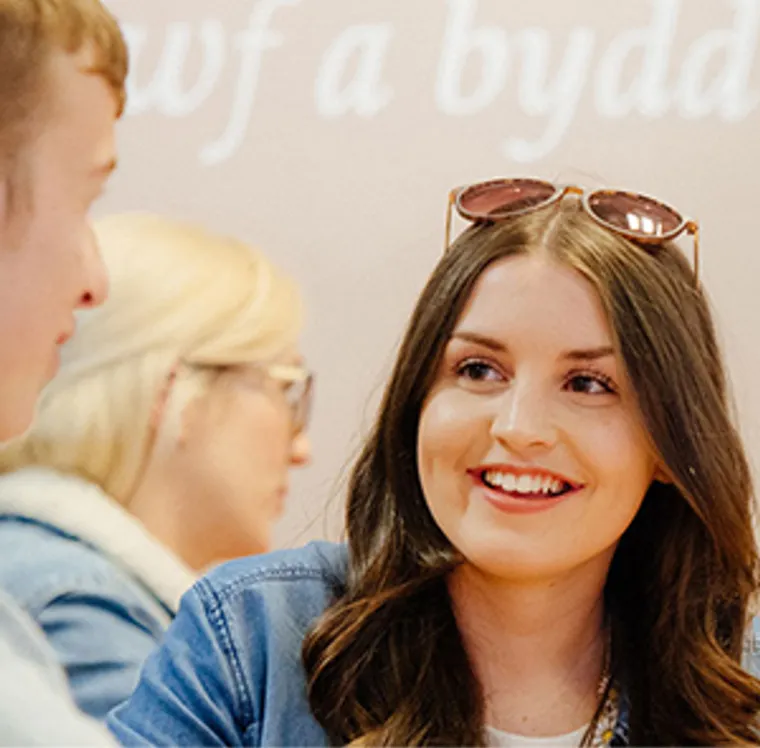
{"x":41,"y":596}
{"x":77,"y":567}
{"x":213,"y":605}
{"x":292,"y":573}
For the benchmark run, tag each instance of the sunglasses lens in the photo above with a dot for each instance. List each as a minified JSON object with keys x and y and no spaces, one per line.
{"x":636,"y":215}
{"x":504,"y":197}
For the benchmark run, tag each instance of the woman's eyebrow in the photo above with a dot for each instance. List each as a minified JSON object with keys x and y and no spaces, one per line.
{"x":589,"y":354}
{"x":478,"y":339}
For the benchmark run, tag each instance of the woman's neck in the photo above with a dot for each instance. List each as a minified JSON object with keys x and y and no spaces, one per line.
{"x":538,"y":647}
{"x":179,"y":515}
{"x":155,"y":504}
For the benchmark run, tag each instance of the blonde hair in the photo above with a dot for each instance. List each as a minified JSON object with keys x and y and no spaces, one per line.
{"x":30,"y":32}
{"x":178,"y":295}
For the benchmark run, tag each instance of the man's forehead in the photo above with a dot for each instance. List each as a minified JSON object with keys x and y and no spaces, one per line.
{"x":77,"y":90}
{"x":81,"y":125}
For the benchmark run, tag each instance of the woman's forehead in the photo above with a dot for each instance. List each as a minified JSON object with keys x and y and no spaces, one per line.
{"x":535,"y":296}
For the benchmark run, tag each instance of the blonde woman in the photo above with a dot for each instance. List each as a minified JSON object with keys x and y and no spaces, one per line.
{"x":162,"y":447}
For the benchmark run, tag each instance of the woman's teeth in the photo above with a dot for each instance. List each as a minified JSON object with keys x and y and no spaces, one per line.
{"x":524,"y":485}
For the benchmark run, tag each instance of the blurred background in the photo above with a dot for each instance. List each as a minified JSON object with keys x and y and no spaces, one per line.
{"x":329,"y":133}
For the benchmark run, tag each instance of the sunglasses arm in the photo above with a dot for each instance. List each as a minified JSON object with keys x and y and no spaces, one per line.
{"x":693,"y":229}
{"x":449,"y":210}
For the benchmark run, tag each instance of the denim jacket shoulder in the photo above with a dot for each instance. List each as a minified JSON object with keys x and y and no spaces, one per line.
{"x":100,"y":622}
{"x":100,"y":587}
{"x":241,"y":627}
{"x":41,"y":564}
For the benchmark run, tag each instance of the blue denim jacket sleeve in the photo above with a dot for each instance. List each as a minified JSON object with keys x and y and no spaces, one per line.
{"x":229,"y":671}
{"x":193,"y":689}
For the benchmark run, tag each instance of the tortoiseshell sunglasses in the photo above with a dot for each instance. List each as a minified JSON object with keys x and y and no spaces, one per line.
{"x":637,"y":217}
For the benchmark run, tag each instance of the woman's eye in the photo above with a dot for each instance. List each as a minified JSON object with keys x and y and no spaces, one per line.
{"x":478,"y":371}
{"x":590,"y":384}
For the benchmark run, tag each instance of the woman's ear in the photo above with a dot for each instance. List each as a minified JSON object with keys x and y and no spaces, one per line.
{"x":662,"y":475}
{"x":179,"y":410}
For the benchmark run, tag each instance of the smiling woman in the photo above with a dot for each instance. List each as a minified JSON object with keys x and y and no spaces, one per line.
{"x":544,"y":540}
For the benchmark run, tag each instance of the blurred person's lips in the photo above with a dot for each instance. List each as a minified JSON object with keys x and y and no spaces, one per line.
{"x":64,"y":337}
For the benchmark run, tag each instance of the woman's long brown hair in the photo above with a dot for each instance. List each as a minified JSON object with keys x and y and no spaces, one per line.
{"x":385,"y":663}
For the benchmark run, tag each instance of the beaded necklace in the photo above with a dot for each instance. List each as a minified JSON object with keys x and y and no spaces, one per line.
{"x":602,"y":728}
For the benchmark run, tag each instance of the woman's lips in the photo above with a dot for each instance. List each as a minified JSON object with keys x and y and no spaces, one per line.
{"x":522,"y":490}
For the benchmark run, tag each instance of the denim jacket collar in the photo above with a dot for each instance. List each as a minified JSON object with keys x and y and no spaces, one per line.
{"x":81,"y":509}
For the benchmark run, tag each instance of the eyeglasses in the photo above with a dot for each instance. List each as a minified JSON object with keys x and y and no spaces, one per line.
{"x":640,"y":218}
{"x":297,"y":385}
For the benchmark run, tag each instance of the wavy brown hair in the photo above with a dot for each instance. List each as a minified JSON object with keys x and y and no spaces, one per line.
{"x":385,"y":663}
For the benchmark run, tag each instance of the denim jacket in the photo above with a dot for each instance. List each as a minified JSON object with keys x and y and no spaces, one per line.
{"x":101,"y":589}
{"x":229,"y":669}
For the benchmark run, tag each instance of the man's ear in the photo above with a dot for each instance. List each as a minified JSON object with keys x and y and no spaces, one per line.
{"x":5,"y":199}
{"x":15,"y":203}
{"x":6,"y":204}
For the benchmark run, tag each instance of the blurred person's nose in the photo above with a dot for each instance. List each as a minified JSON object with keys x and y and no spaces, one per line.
{"x":300,"y":453}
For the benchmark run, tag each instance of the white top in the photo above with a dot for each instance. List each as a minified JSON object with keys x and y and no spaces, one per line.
{"x":500,"y":738}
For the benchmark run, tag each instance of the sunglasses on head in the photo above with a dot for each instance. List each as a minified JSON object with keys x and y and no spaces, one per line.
{"x":640,"y":218}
